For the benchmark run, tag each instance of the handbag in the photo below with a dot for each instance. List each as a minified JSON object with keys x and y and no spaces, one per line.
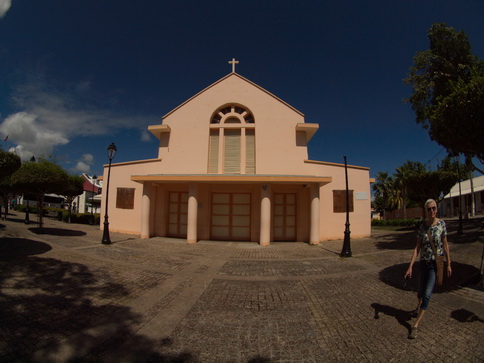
{"x":439,"y":262}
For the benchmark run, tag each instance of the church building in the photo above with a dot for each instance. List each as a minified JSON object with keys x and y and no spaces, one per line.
{"x":233,"y":165}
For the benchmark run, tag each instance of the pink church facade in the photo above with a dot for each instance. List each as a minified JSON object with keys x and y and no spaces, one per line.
{"x":233,"y":166}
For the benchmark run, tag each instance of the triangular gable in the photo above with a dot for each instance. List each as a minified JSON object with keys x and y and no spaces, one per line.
{"x":242,"y":78}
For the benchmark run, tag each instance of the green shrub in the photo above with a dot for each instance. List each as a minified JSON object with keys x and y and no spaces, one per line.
{"x":82,"y":218}
{"x":32,"y":209}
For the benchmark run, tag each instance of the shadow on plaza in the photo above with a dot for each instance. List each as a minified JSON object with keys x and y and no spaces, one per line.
{"x":461,"y":275}
{"x":472,"y":229}
{"x":402,"y":316}
{"x":405,"y":238}
{"x":465,"y":316}
{"x":396,"y":241}
{"x":21,"y":247}
{"x":57,"y":232}
{"x":46,"y":300}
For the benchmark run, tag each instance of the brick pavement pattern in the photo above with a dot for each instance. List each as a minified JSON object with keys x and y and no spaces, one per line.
{"x":66,"y":297}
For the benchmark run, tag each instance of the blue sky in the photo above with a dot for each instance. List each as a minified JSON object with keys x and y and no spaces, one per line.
{"x":78,"y":75}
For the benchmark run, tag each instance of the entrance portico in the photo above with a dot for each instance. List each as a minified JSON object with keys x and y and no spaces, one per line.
{"x":232,"y":207}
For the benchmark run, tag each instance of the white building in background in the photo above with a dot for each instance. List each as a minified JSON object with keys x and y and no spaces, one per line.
{"x":450,"y":205}
{"x":90,"y":200}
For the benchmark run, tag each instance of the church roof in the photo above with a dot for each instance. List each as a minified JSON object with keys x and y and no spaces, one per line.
{"x":233,"y":74}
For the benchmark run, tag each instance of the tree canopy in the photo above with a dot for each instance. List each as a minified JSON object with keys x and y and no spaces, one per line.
{"x":448,"y":92}
{"x":9,"y":163}
{"x":40,"y":178}
{"x":73,"y":188}
{"x":412,"y":184}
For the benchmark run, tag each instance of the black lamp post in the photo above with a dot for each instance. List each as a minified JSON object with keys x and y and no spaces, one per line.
{"x":94,"y":177}
{"x":346,"y":251}
{"x":111,"y":153}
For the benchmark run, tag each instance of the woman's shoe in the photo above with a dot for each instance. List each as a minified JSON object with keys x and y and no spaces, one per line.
{"x":414,"y":313}
{"x":413,"y":333}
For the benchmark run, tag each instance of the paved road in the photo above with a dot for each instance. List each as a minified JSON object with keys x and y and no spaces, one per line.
{"x":65,"y":296}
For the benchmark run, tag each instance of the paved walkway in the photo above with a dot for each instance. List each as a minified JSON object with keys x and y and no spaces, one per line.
{"x":66,"y":297}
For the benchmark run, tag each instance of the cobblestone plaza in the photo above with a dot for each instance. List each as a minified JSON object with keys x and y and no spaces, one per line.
{"x":66,"y":297}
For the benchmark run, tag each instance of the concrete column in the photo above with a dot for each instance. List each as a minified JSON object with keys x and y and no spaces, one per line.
{"x":315,"y":220}
{"x":192,"y":213}
{"x":145,"y":211}
{"x":265,"y":215}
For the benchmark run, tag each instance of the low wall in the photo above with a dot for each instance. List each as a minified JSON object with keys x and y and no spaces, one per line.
{"x":410,"y":213}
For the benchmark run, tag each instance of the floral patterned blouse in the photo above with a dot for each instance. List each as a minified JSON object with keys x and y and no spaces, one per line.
{"x":438,"y":232}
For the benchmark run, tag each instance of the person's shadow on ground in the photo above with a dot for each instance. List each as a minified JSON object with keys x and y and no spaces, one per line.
{"x":403,"y":317}
{"x":462,"y":275}
{"x":465,"y":316}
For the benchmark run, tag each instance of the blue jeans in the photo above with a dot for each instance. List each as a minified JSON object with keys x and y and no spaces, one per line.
{"x":426,"y":282}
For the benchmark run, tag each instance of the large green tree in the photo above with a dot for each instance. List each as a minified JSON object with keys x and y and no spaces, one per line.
{"x":9,"y":163}
{"x":40,"y":178}
{"x":448,"y":92}
{"x":412,"y":184}
{"x":383,"y":189}
{"x":430,"y":184}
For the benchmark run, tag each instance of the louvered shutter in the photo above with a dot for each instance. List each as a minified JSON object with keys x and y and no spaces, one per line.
{"x":250,"y":152}
{"x":232,"y":152}
{"x":213,"y":152}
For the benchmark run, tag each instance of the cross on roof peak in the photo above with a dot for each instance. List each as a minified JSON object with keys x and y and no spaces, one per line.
{"x":233,"y":62}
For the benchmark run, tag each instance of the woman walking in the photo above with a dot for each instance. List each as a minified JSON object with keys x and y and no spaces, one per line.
{"x":431,"y":236}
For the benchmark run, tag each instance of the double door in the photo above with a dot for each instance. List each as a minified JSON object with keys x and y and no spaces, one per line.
{"x":284,"y":217}
{"x":230,"y":219}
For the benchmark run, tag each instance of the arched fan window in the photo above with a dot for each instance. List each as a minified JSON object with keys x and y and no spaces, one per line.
{"x":232,"y":141}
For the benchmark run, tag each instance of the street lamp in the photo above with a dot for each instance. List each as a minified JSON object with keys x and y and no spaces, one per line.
{"x":94,"y":177}
{"x":111,"y":153}
{"x":346,"y":252}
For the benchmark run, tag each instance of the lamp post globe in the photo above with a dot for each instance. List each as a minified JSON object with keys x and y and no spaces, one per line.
{"x":111,"y":153}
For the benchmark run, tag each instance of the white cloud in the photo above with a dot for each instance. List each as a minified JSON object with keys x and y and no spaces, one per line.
{"x":32,"y":137}
{"x":84,"y":164}
{"x":68,"y":113}
{"x":82,"y":167}
{"x":145,"y":136}
{"x":52,"y":117}
{"x":4,"y":6}
{"x":88,"y":158}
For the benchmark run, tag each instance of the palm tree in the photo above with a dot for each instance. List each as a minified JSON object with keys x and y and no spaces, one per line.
{"x":382,"y":189}
{"x":395,"y":195}
{"x":402,"y":175}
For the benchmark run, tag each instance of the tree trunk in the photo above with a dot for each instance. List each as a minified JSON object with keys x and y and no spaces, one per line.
{"x":4,"y":203}
{"x":70,"y":211}
{"x":473,"y":199}
{"x":41,"y":212}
